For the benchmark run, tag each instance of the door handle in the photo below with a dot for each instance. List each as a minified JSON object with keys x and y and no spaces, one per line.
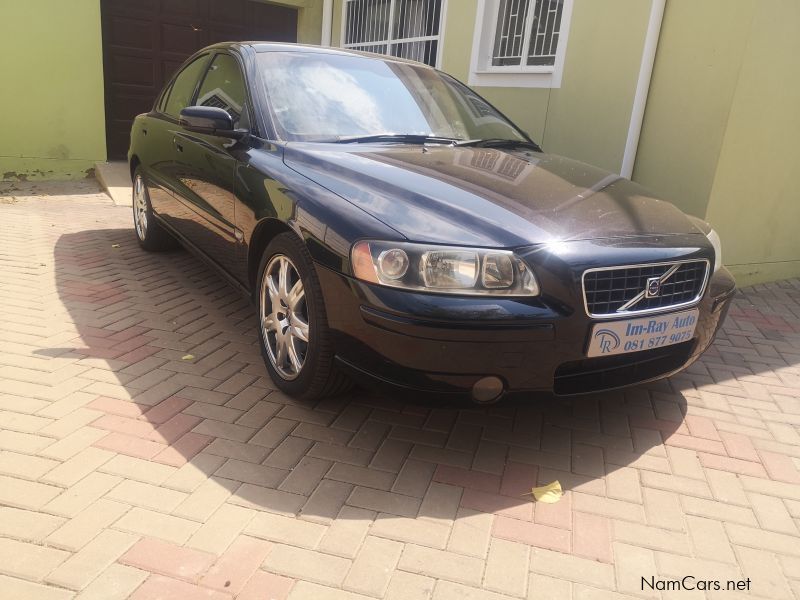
{"x":178,"y":145}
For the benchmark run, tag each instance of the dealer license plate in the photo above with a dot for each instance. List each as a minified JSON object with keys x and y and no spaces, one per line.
{"x":647,"y":333}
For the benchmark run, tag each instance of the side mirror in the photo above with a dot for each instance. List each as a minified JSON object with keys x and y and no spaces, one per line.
{"x":209,"y":120}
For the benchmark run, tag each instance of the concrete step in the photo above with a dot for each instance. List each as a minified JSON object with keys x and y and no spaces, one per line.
{"x":115,"y":178}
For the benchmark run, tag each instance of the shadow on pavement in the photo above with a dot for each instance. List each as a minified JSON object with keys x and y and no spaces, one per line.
{"x":180,"y":381}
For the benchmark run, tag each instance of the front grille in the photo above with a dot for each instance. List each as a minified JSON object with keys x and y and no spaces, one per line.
{"x":607,"y":291}
{"x":609,"y":372}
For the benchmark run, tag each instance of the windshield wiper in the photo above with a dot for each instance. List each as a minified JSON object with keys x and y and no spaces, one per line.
{"x":499,"y":143}
{"x":407,"y":138}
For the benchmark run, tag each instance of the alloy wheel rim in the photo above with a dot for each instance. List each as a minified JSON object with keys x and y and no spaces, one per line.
{"x":284,"y":317}
{"x":140,"y":208}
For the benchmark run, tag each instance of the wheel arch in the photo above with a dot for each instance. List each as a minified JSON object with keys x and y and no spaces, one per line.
{"x":263,"y":234}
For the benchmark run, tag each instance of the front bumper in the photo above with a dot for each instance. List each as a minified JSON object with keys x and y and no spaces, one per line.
{"x":427,"y":343}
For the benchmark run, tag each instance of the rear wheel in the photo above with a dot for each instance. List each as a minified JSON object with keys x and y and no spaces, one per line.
{"x":293,"y":326}
{"x":150,"y":234}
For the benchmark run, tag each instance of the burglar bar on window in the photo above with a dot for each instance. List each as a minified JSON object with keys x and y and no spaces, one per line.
{"x":402,"y":28}
{"x":527,"y":28}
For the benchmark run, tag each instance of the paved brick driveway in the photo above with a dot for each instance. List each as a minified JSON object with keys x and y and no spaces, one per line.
{"x":127,"y":471}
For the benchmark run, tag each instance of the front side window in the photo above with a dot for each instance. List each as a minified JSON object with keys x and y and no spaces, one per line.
{"x":403,"y":28}
{"x":320,"y":97}
{"x":224,"y":88}
{"x":180,"y":96}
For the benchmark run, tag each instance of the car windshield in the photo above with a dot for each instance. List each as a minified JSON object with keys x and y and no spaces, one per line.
{"x":328,"y":97}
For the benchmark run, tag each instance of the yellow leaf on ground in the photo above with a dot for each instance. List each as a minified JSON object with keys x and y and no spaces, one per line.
{"x":549,"y":494}
{"x":188,"y":357}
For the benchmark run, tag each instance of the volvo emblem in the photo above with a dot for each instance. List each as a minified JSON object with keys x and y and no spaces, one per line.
{"x":653,"y":288}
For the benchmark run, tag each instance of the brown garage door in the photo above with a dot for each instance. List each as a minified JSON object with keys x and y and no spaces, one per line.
{"x":145,"y":41}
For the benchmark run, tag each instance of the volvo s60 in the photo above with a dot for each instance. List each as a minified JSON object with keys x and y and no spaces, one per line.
{"x":393,"y":227}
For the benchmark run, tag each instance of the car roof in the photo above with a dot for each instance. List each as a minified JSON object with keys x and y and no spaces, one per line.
{"x":259,"y":47}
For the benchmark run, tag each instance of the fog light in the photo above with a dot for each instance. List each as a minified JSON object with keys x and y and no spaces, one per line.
{"x":488,"y":389}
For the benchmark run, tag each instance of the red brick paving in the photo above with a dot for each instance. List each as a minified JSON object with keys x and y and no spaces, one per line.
{"x":210,"y":484}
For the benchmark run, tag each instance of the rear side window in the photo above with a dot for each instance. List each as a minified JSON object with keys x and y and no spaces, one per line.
{"x":184,"y":85}
{"x":223,"y":87}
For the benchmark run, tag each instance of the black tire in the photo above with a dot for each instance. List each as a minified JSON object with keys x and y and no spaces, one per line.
{"x":151,"y":236}
{"x":318,"y":377}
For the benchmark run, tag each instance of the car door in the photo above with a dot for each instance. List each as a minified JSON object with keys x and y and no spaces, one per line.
{"x":205,"y":164}
{"x":158,"y":132}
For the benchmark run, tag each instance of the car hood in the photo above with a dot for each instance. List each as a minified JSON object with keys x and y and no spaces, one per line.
{"x":484,"y":196}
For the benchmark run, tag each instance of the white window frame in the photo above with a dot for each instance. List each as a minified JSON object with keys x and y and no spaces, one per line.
{"x":390,"y":40}
{"x":483,"y":73}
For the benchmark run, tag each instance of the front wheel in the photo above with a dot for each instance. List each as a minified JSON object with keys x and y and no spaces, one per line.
{"x":293,"y":326}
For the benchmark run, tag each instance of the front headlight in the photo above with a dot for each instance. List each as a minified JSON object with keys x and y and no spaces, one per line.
{"x":717,"y":244}
{"x":443,"y":269}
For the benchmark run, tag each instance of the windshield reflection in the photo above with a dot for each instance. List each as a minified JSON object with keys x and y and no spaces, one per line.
{"x":322,"y":97}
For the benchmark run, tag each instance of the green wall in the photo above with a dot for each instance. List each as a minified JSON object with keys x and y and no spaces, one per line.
{"x":53,"y":127}
{"x":721,"y":127}
{"x":694,"y":80}
{"x":336,"y":23}
{"x":755,"y":198}
{"x":309,"y":18}
{"x":589,"y":115}
{"x":52,"y":116}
